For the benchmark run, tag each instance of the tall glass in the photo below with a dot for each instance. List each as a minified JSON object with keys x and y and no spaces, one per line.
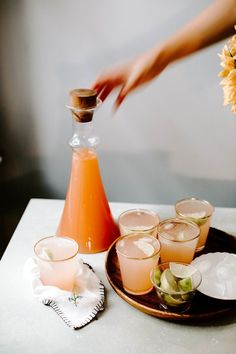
{"x":56,"y":257}
{"x":136,"y":220}
{"x":198,"y":211}
{"x":137,"y":253}
{"x":178,"y":239}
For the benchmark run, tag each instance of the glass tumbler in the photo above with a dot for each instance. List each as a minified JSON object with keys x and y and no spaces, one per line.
{"x":178,"y":239}
{"x":137,"y":253}
{"x":57,"y":261}
{"x":138,"y":220}
{"x":198,"y":211}
{"x":175,"y":284}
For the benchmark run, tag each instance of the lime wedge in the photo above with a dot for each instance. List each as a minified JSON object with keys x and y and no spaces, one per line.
{"x":46,"y":254}
{"x":157,"y":276}
{"x":197,"y":215}
{"x":168,"y":282}
{"x":181,"y":270}
{"x":185,"y":284}
{"x":198,"y":218}
{"x":173,"y":301}
{"x":146,"y":247}
{"x":187,"y":296}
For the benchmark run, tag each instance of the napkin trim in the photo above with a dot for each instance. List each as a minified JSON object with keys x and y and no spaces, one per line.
{"x":99,"y":307}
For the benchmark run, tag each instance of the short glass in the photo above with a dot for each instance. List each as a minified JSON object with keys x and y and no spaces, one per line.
{"x":57,"y":261}
{"x":136,"y":220}
{"x":175,"y":284}
{"x":178,"y":239}
{"x":137,"y":253}
{"x":198,"y":211}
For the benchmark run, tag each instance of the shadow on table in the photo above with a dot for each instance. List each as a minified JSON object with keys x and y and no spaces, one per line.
{"x":226,"y":319}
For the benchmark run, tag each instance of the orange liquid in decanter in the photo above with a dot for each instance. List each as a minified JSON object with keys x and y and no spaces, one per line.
{"x":86,"y":216}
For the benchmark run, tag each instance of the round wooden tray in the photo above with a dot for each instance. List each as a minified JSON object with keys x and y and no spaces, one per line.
{"x":203,"y":307}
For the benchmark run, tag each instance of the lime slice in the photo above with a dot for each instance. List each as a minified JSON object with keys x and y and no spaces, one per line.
{"x":46,"y":254}
{"x":181,"y":270}
{"x":157,"y":276}
{"x":168,"y":282}
{"x":141,"y":227}
{"x":187,"y":297}
{"x":146,"y":247}
{"x":185,"y":284}
{"x":173,"y":301}
{"x":198,"y":218}
{"x":197,"y":215}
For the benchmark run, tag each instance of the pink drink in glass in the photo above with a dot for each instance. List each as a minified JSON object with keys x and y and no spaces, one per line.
{"x":178,"y":239}
{"x":198,"y":211}
{"x":137,"y":253}
{"x":136,"y":220}
{"x":57,"y":261}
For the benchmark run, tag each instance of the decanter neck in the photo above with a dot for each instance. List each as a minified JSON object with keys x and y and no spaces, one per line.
{"x":83,"y":135}
{"x":83,"y":103}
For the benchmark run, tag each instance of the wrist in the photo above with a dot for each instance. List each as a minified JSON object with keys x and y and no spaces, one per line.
{"x":172,"y":50}
{"x":164,"y":54}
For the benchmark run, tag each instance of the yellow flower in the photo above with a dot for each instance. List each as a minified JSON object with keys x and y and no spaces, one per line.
{"x":228,"y":62}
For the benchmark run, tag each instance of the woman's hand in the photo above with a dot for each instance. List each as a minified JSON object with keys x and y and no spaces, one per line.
{"x":130,"y":75}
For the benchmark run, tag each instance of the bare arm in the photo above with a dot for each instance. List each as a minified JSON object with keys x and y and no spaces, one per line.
{"x":215,"y":23}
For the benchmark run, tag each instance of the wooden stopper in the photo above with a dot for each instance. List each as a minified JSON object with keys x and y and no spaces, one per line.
{"x":83,"y":99}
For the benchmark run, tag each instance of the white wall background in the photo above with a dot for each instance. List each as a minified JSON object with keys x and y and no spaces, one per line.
{"x":170,"y":139}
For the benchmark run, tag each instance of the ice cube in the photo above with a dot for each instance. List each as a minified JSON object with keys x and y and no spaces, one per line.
{"x":168,"y":226}
{"x":230,"y":287}
{"x":180,"y":236}
{"x":204,"y":266}
{"x":218,"y":289}
{"x":167,"y":236}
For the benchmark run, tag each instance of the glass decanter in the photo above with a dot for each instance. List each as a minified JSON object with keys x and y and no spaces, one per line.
{"x":86,"y":215}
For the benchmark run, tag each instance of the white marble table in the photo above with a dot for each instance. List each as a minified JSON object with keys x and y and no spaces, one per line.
{"x":27,"y":326}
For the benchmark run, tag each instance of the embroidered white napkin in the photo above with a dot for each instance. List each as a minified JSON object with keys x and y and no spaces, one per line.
{"x":76,"y":308}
